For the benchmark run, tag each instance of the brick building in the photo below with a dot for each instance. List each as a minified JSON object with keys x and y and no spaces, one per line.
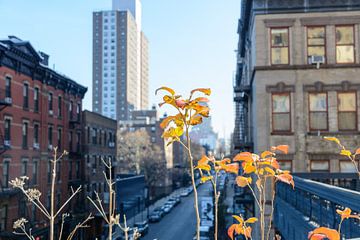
{"x":99,"y":143}
{"x":40,"y":109}
{"x":298,"y":80}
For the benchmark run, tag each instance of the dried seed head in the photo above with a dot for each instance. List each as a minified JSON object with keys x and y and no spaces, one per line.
{"x":34,"y":194}
{"x":20,"y":223}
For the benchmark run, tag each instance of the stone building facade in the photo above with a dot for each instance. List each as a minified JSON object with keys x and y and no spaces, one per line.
{"x":297,"y":81}
{"x":40,"y":110}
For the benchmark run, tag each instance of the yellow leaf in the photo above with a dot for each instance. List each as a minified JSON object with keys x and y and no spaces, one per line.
{"x":205,"y":179}
{"x":206,"y":91}
{"x":333,"y":139}
{"x":251,"y":220}
{"x":171,"y":91}
{"x":205,"y":167}
{"x":269,"y":170}
{"x":265,"y":154}
{"x":166,"y":121}
{"x":345,"y":153}
{"x":239,"y":219}
{"x":249,"y":169}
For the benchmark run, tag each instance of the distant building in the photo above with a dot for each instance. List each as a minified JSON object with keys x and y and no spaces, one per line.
{"x":297,"y":80}
{"x":99,"y":143}
{"x":120,"y":61}
{"x":40,"y":110}
{"x":204,"y":135}
{"x":149,"y":121}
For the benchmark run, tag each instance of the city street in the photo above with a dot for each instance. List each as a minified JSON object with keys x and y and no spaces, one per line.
{"x":180,"y":223}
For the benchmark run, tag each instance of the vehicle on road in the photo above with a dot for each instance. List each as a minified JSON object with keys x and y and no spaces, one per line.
{"x":142,"y":227}
{"x":184,"y":193}
{"x":155,"y":216}
{"x":167,"y":208}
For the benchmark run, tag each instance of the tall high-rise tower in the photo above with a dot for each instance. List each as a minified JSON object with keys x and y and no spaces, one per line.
{"x":120,"y":61}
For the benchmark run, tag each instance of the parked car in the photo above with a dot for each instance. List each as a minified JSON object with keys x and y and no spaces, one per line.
{"x":155,"y":216}
{"x":142,"y":227}
{"x":167,"y":208}
{"x":160,"y":210}
{"x":184,"y":193}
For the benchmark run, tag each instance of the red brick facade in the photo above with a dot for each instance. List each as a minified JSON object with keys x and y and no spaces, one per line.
{"x":59,"y":101}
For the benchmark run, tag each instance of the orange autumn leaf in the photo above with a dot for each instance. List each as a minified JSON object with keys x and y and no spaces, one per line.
{"x":331,"y":234}
{"x":243,"y":156}
{"x":195,"y":120}
{"x":166,"y":121}
{"x":171,"y":91}
{"x":283,"y":148}
{"x":200,"y":99}
{"x":206,"y":91}
{"x":286,"y":178}
{"x":242,"y":181}
{"x":275,"y":164}
{"x":204,"y":160}
{"x":231,"y":231}
{"x":357,"y":151}
{"x":346,"y":213}
{"x":247,"y":232}
{"x":249,"y":168}
{"x":232,"y":168}
{"x":180,"y":103}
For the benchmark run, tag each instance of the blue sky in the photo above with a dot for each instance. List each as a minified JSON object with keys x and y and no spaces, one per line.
{"x":192,"y":43}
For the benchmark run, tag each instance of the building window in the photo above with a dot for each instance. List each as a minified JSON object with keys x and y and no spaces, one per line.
{"x":318,"y":111}
{"x":60,"y":106}
{"x":279,"y":46}
{"x":8,"y":87}
{"x":24,"y":167}
{"x":49,"y":171}
{"x":281,"y":112}
{"x":22,"y":207}
{"x":6,"y":171}
{"x":285,"y":164}
{"x":94,"y":136}
{"x":347,"y":115}
{"x":50,"y":103}
{"x":88,"y":134}
{"x":26,"y":96}
{"x":3,"y":217}
{"x":77,"y":169}
{"x":319,"y":166}
{"x":71,"y":110}
{"x":36,"y":133}
{"x":50,"y":137}
{"x":70,"y":141}
{"x":59,"y":139}
{"x":7,"y":131}
{"x":35,"y":172}
{"x":70,"y":170}
{"x":316,"y":41}
{"x":347,"y":166}
{"x":58,"y":171}
{"x":78,"y":142}
{"x":345,"y":49}
{"x":78,"y":111}
{"x":25,"y":135}
{"x":36,"y":99}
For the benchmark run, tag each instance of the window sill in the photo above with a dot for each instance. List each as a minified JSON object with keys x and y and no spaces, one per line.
{"x":342,"y":132}
{"x":282,"y":133}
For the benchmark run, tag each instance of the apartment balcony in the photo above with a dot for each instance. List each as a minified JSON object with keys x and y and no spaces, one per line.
{"x":5,"y":99}
{"x":312,"y":204}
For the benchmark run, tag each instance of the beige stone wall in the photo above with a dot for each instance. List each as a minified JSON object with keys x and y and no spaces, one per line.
{"x":297,"y":33}
{"x":303,"y":143}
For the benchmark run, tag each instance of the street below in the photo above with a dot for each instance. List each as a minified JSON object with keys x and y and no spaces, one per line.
{"x":180,"y":223}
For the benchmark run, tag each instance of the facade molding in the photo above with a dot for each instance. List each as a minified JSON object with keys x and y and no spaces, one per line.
{"x":281,"y":22}
{"x":279,"y":88}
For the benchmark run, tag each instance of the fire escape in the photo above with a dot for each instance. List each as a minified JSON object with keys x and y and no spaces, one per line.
{"x":5,"y":101}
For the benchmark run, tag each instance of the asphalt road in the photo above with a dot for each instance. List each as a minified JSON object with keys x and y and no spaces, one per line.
{"x":180,"y":223}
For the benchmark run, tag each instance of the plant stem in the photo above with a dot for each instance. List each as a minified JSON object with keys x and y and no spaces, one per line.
{"x":110,"y":203}
{"x":216,"y":199}
{"x":52,"y":210}
{"x":339,"y":229}
{"x":196,"y":205}
{"x":272,"y":210}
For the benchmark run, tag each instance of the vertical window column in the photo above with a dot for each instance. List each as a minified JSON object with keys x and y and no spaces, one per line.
{"x":279,"y":46}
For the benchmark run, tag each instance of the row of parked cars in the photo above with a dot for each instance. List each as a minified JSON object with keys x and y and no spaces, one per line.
{"x":160,"y":212}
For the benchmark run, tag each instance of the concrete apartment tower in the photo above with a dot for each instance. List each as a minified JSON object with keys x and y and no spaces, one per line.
{"x":120,"y":61}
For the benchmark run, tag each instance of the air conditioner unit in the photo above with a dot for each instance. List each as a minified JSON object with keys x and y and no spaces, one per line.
{"x":111,"y":144}
{"x":36,"y":146}
{"x":317,"y":59}
{"x":8,"y":100}
{"x":51,"y":112}
{"x":50,"y":147}
{"x":7,"y":143}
